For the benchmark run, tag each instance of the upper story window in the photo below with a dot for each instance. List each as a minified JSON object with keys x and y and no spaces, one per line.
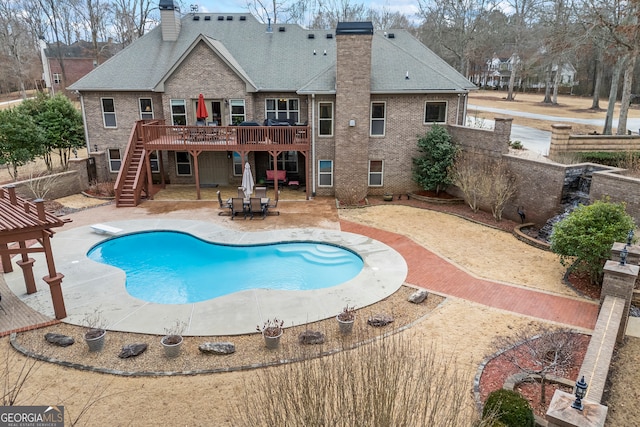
{"x":325,"y":118}
{"x":57,"y":78}
{"x":283,"y":109}
{"x":108,"y":112}
{"x":378,"y":117}
{"x":435,"y":112}
{"x":238,"y":114}
{"x":146,"y":109}
{"x":178,"y":112}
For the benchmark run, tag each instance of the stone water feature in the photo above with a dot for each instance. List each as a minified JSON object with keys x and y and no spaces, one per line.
{"x":575,"y":191}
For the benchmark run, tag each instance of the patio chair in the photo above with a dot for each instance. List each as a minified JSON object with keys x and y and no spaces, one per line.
{"x":261,"y":192}
{"x":255,"y":207}
{"x":224,"y":206}
{"x":241,"y":192}
{"x":237,"y":207}
{"x":271,"y":206}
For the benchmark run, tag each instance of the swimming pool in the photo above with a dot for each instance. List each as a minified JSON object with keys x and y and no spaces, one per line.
{"x":171,"y":267}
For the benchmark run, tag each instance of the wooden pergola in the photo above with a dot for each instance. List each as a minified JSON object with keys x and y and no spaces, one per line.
{"x":22,"y":221}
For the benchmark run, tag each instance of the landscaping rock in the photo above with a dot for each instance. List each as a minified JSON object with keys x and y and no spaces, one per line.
{"x":311,"y":337}
{"x":380,"y":320}
{"x":418,"y":296}
{"x":59,"y":339}
{"x":132,"y":350}
{"x":217,"y":348}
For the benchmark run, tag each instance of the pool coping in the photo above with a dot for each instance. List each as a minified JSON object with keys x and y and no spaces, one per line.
{"x":89,"y":287}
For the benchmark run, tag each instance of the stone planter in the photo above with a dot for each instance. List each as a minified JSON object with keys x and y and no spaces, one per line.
{"x":171,"y":345}
{"x":272,"y":343}
{"x":95,"y":339}
{"x":346,"y":326}
{"x":387,"y":197}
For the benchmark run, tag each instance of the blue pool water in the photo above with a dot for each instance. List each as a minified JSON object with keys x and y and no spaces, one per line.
{"x":169,"y":267}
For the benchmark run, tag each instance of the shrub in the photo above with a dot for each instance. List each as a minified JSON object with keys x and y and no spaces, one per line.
{"x":510,"y":408}
{"x":516,"y":145}
{"x":584,"y":238}
{"x":438,"y":152}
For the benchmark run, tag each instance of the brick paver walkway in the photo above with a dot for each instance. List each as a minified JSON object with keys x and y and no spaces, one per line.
{"x":431,"y":272}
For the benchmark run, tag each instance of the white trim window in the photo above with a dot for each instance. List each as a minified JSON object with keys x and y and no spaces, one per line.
{"x":376,"y":171}
{"x":57,"y":78}
{"x":378,"y":118}
{"x":146,"y":108}
{"x":178,"y":112}
{"x":282,"y":109}
{"x":183,"y":163}
{"x":115,"y":159}
{"x":237,"y":164}
{"x":325,"y":118}
{"x":108,"y":112}
{"x":238,"y":114}
{"x":435,"y":112}
{"x":325,"y":173}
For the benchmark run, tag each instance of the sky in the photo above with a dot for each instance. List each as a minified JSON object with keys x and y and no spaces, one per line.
{"x":407,"y":7}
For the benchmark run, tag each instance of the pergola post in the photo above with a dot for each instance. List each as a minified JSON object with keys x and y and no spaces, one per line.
{"x":7,"y":267}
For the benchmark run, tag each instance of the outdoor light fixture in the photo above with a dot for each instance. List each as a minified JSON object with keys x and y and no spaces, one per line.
{"x":630,"y":237}
{"x":95,"y":147}
{"x":581,"y":391}
{"x":623,"y":256}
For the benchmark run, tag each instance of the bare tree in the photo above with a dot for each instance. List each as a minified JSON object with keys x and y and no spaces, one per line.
{"x":468,"y":175}
{"x":17,"y":46}
{"x":131,"y":19}
{"x":540,"y":351}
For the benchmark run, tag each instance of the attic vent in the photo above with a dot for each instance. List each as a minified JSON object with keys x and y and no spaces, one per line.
{"x":329,"y":36}
{"x":220,"y":18}
{"x":282,"y":29}
{"x":392,"y":36}
{"x":229,"y":18}
{"x":207,"y":18}
{"x":243,"y":18}
{"x":311,"y":36}
{"x":196,"y":18}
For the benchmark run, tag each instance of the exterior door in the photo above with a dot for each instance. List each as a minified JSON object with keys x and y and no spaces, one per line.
{"x":214,"y":168}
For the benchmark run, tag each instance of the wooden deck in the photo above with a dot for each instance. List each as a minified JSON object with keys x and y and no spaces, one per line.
{"x":226,"y":138}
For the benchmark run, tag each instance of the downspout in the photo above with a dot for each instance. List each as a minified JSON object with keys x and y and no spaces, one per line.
{"x":458,"y":111}
{"x":84,"y":122}
{"x":313,"y":145}
{"x":464,"y":111}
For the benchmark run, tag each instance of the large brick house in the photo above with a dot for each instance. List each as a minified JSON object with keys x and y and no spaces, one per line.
{"x":354,"y":101}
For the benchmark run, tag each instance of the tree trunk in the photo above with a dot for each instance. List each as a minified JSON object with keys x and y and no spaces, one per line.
{"x":597,"y":80}
{"x":626,"y":94}
{"x":547,"y":86}
{"x":556,"y":83}
{"x":613,"y":95}
{"x":512,"y":78}
{"x":543,"y":398}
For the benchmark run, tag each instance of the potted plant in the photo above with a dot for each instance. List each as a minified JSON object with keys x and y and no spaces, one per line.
{"x":387,"y":197}
{"x":271,"y":331}
{"x":346,"y":318}
{"x":172,"y":341}
{"x":95,"y":334}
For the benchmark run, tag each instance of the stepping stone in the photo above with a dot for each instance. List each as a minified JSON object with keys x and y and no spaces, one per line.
{"x":132,"y":350}
{"x":311,"y":337}
{"x":59,"y":339}
{"x":418,"y":296}
{"x":217,"y":348}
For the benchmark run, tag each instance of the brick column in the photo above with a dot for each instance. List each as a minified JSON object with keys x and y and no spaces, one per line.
{"x":619,"y":281}
{"x":559,"y":139}
{"x":561,"y":414}
{"x":353,"y":97}
{"x":633,"y":253}
{"x":502,"y":132}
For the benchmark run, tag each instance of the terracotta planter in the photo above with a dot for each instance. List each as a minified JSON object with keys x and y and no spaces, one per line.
{"x":172,"y":345}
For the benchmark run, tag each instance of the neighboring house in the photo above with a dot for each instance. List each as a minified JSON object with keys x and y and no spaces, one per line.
{"x":355,"y":99}
{"x":79,"y":59}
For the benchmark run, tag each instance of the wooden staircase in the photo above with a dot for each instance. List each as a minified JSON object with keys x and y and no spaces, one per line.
{"x":132,"y":177}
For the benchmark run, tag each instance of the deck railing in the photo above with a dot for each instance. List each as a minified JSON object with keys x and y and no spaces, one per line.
{"x":159,"y":136}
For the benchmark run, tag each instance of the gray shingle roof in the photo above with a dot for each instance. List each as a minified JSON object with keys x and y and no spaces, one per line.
{"x":282,"y":60}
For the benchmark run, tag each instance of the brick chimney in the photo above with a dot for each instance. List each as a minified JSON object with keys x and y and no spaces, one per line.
{"x":353,"y":95}
{"x":169,"y":20}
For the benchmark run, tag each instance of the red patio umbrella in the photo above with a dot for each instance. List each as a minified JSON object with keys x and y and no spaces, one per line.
{"x":202,"y":112}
